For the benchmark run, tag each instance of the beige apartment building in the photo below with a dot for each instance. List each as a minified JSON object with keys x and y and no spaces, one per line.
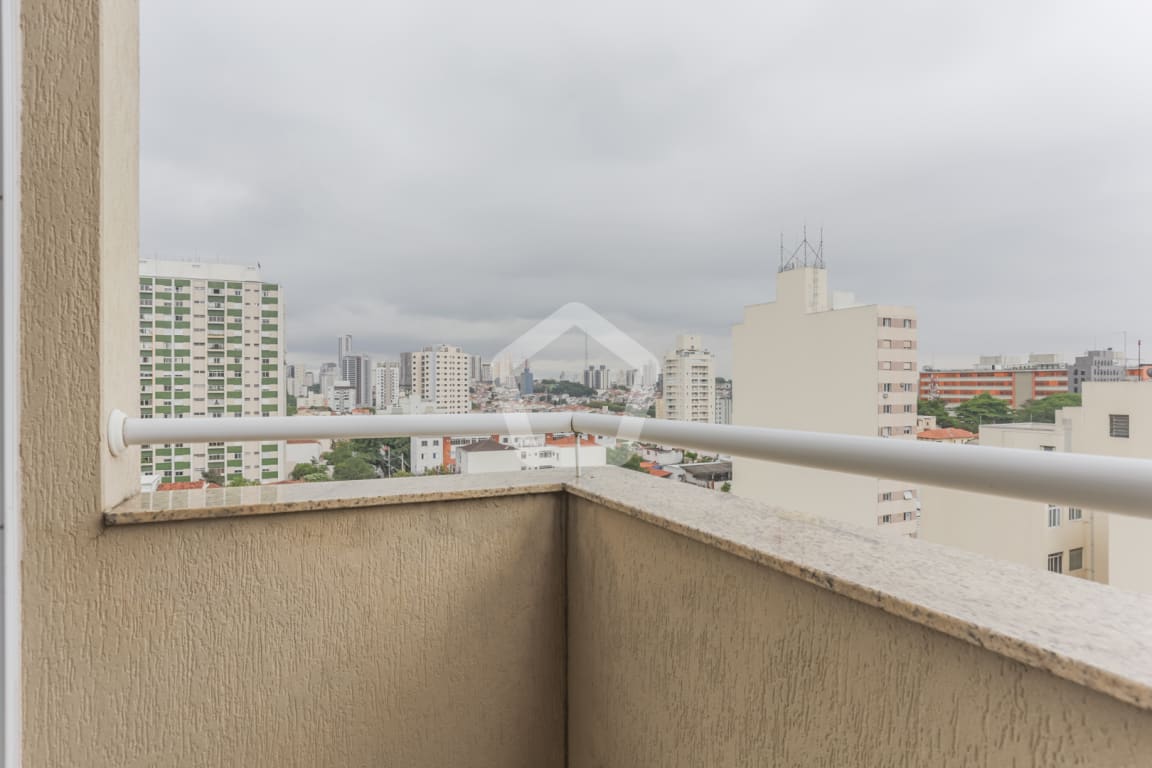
{"x":689,"y":382}
{"x":440,"y":378}
{"x":805,"y":362}
{"x":1114,"y":420}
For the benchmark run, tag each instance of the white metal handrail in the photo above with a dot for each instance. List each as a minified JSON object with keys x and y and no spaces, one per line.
{"x":1109,"y":483}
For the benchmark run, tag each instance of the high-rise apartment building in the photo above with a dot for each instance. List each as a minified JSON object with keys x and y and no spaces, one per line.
{"x":211,"y":344}
{"x":328,"y":376}
{"x":342,"y":399}
{"x":356,"y":370}
{"x":440,"y":377}
{"x":597,"y":377}
{"x":525,"y":382}
{"x":385,"y":386}
{"x":689,"y":382}
{"x":807,"y":364}
{"x":724,"y":402}
{"x":406,"y":373}
{"x":475,"y":368}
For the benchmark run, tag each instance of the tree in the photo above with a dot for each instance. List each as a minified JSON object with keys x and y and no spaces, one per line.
{"x":618,"y":455}
{"x":213,"y":476}
{"x":570,"y":388}
{"x":726,"y":488}
{"x":291,"y":405}
{"x":398,"y":454}
{"x":938,"y":409}
{"x":982,"y":409}
{"x":239,"y":481}
{"x":310,"y":472}
{"x":651,"y":411}
{"x":633,"y":463}
{"x":1044,"y":410}
{"x":353,"y":468}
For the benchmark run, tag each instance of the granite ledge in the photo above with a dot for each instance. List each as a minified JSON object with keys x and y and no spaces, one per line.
{"x":171,"y":506}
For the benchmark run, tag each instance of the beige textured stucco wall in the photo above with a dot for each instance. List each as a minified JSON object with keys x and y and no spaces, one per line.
{"x":420,"y":635}
{"x":683,"y":655}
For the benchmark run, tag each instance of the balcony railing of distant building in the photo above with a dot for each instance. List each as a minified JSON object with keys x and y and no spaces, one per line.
{"x":1113,"y":484}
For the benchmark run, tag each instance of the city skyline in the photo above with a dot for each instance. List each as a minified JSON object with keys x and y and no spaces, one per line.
{"x":521,"y":158}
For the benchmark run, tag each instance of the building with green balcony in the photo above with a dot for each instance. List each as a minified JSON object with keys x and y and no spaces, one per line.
{"x":227,"y":323}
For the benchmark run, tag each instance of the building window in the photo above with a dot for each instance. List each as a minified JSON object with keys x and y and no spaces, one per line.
{"x":887,"y":409}
{"x":1053,"y":516}
{"x":1056,"y":562}
{"x":1075,"y":513}
{"x":907,"y":366}
{"x":1076,"y":559}
{"x":1047,"y":447}
{"x":1118,"y":425}
{"x":886,"y":322}
{"x":907,"y":323}
{"x":886,"y":496}
{"x":886,"y":519}
{"x":885,"y":365}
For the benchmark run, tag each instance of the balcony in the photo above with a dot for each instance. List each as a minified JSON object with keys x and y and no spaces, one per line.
{"x":527,"y":620}
{"x":613,"y":619}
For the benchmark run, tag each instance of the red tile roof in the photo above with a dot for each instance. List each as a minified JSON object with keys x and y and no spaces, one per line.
{"x":659,"y":472}
{"x":949,"y":433}
{"x":193,"y":486}
{"x":569,"y":441}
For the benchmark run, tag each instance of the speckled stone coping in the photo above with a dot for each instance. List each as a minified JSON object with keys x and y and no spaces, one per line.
{"x":168,"y":506}
{"x":1087,"y":633}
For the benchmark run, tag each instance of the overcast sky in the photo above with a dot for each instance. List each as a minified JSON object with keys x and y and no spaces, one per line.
{"x":452,"y":171}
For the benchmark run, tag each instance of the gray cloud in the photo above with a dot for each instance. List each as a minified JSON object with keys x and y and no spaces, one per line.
{"x":424,"y":172}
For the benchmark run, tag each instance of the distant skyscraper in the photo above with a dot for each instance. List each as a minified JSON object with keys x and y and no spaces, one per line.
{"x":525,"y":382}
{"x":406,"y":372}
{"x":689,"y":382}
{"x":211,"y":344}
{"x":475,"y":368}
{"x":356,"y":371}
{"x":327,"y":378}
{"x":343,"y":347}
